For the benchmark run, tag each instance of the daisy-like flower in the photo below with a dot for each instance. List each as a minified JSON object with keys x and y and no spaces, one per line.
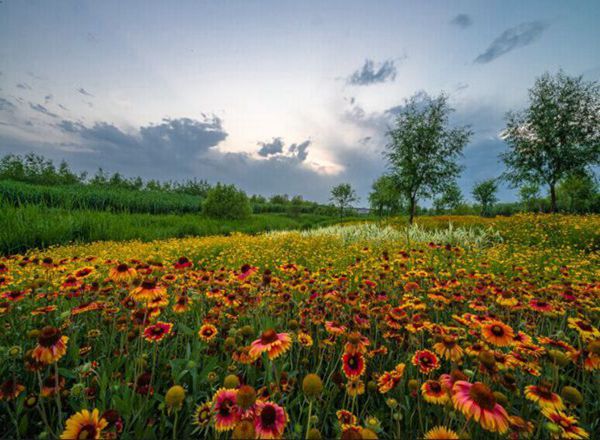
{"x":353,"y":365}
{"x":225,"y":409}
{"x":449,"y":349}
{"x":426,"y":361}
{"x":476,"y":400}
{"x":585,"y":329}
{"x":202,"y":414}
{"x":540,"y":305}
{"x":148,"y":290}
{"x":157,"y":332}
{"x":10,"y":390}
{"x":84,"y":425}
{"x":305,"y":339}
{"x":270,"y":420}
{"x":497,"y":333}
{"x":208,"y":332}
{"x":122,"y":273}
{"x":389,"y":379}
{"x":355,"y":387}
{"x":433,"y":392}
{"x":182,"y":304}
{"x":271,"y":342}
{"x":567,"y":424}
{"x":346,"y":418}
{"x":183,"y":263}
{"x":544,"y":397}
{"x":441,"y":433}
{"x":52,"y":345}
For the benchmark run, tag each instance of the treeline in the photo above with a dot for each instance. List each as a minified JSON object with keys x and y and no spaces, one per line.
{"x":553,"y":151}
{"x":35,"y":180}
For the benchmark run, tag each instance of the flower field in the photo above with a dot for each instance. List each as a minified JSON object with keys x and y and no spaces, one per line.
{"x":292,"y":335}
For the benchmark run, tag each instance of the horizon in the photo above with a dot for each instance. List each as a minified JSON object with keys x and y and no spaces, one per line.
{"x":274,"y":97}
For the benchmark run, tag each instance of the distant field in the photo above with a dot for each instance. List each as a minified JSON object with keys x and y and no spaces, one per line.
{"x":38,"y":226}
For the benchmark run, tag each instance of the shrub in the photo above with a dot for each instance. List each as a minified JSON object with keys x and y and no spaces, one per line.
{"x":226,"y":202}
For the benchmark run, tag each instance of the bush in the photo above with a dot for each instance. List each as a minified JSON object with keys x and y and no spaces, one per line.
{"x":226,"y":202}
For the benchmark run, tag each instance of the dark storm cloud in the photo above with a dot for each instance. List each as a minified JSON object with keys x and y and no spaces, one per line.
{"x":300,"y":151}
{"x":270,"y":148}
{"x":513,"y":38}
{"x":84,"y":92}
{"x":372,"y":73}
{"x":462,"y":21}
{"x":41,"y":109}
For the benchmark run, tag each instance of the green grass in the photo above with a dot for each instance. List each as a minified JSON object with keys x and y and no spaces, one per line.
{"x":98,"y":198}
{"x":37,"y":226}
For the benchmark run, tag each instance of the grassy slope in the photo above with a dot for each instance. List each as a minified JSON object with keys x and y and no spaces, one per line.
{"x":35,"y":226}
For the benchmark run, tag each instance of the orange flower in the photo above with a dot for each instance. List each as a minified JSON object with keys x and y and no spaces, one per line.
{"x":157,"y":332}
{"x":353,"y":364}
{"x":545,"y":398}
{"x":51,"y":346}
{"x":433,"y":392}
{"x":271,"y":342}
{"x":208,"y":332}
{"x":449,"y":349}
{"x":497,"y":333}
{"x":476,"y":400}
{"x":426,"y":361}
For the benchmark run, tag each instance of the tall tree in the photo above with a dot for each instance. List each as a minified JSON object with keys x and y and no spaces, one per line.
{"x":423,"y":150}
{"x":484,"y":193}
{"x":342,"y":195}
{"x":557,"y":135}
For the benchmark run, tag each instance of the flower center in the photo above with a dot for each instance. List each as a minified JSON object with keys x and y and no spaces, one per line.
{"x":268,"y":415}
{"x":122,"y":268}
{"x":482,"y":396}
{"x":497,"y":330}
{"x":435,"y":387}
{"x":49,"y":336}
{"x":147,"y":284}
{"x":268,"y":336}
{"x":87,"y":432}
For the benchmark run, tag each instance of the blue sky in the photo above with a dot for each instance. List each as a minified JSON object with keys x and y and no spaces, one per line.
{"x":275,"y":96}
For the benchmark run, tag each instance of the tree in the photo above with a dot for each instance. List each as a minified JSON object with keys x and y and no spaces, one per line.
{"x":485,"y":194}
{"x":226,"y":202}
{"x":385,"y":196}
{"x":529,"y":195}
{"x":451,"y":198}
{"x":423,"y":149}
{"x":557,"y":135}
{"x":577,"y":193}
{"x":342,"y":195}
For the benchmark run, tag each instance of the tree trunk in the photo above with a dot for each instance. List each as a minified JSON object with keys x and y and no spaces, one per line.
{"x":413,"y":208}
{"x":553,"y":206}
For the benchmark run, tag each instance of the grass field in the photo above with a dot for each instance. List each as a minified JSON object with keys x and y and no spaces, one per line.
{"x":37,"y":226}
{"x":355,"y":331}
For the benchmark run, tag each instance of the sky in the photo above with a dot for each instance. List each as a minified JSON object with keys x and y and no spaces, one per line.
{"x":274,"y":96}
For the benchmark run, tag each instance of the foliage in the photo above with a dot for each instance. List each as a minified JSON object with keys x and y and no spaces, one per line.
{"x":451,"y":199}
{"x":385,"y":197}
{"x":226,"y":202}
{"x":343,"y":195}
{"x":485,"y":194}
{"x":578,"y":193}
{"x":423,"y":149}
{"x":557,"y":135}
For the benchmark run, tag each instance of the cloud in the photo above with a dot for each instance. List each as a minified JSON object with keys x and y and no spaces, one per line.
{"x":6,"y":105}
{"x":270,"y":148}
{"x":23,"y":86}
{"x":48,"y":98}
{"x":84,"y":92}
{"x":462,"y":21}
{"x":41,"y":109}
{"x":372,"y":73}
{"x":300,"y":151}
{"x":513,"y":38}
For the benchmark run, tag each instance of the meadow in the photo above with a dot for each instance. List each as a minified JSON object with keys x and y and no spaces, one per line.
{"x":488,"y":329}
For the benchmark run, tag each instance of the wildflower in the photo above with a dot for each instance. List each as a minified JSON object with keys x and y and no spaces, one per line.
{"x":567,"y":424}
{"x":270,"y":420}
{"x":449,"y":349}
{"x":477,"y":401}
{"x":497,"y":333}
{"x":84,"y":425}
{"x":10,"y":389}
{"x":225,"y":409}
{"x":426,"y":361}
{"x":208,"y":332}
{"x":271,"y":342}
{"x":246,"y":397}
{"x":312,"y":385}
{"x":433,"y":392}
{"x":543,"y":396}
{"x":353,"y":364}
{"x":52,"y":345}
{"x":157,"y":332}
{"x":202,"y":414}
{"x":441,"y":433}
